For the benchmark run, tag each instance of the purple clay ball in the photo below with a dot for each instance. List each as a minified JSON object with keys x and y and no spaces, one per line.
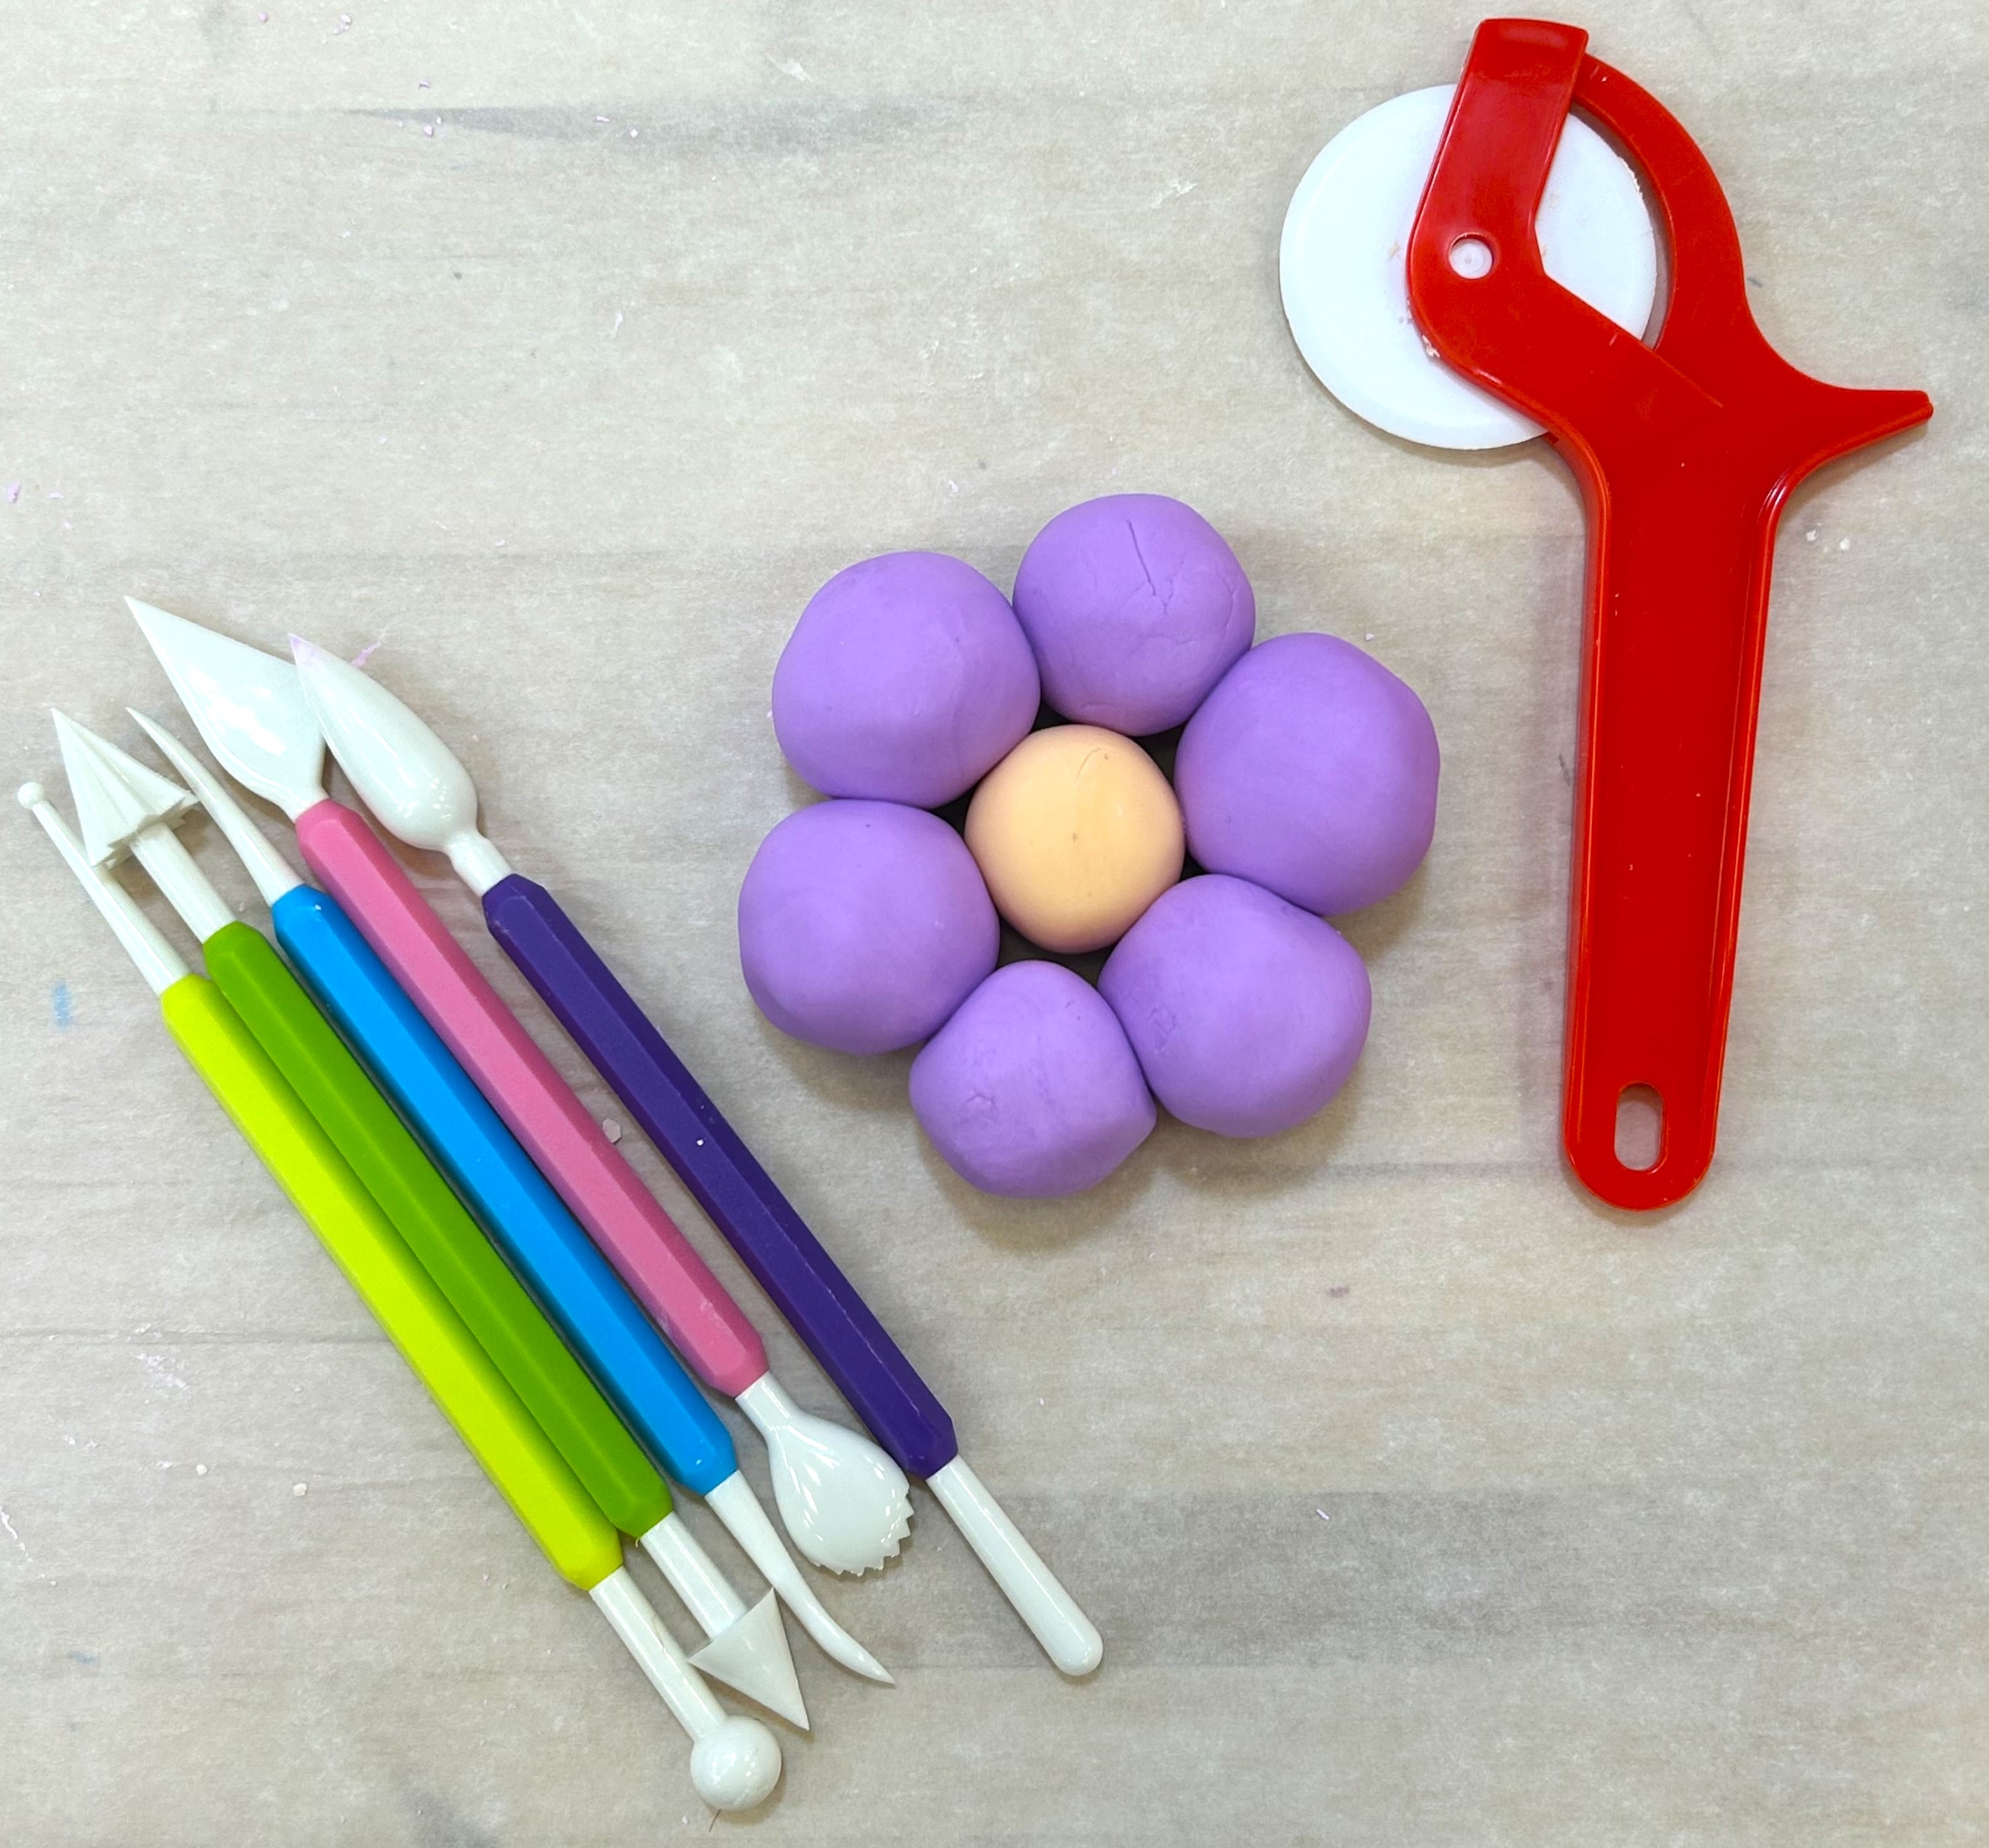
{"x":1136,"y":606}
{"x":1031,"y":1089}
{"x":1247,"y":1014}
{"x":863,"y":925}
{"x":1311,"y":770}
{"x":907,"y":680}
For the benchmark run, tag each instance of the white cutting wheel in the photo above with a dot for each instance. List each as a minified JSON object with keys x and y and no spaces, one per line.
{"x":1343,"y":267}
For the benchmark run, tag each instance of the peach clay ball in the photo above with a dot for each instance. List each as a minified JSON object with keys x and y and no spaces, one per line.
{"x":1305,"y":781}
{"x":1076,"y":833}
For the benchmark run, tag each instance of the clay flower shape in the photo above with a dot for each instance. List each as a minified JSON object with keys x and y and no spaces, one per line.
{"x":1303,"y":786}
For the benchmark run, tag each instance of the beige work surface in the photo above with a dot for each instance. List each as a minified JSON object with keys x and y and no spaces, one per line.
{"x":1419,"y":1501}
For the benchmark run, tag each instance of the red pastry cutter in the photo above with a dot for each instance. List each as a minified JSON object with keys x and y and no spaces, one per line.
{"x":1686,"y":450}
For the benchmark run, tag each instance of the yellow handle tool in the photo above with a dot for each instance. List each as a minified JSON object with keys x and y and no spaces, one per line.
{"x":735,"y":1762}
{"x":543,"y":1492}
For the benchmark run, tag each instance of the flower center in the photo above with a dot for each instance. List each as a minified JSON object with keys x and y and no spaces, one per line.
{"x":1076,"y":833}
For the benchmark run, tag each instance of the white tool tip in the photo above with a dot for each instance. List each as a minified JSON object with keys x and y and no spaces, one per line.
{"x":406,"y":774}
{"x":117,"y":798}
{"x":844,"y":1502}
{"x":735,"y":1503}
{"x":736,"y":1765}
{"x":751,"y":1654}
{"x":160,"y":627}
{"x":248,"y":704}
{"x":1069,"y":1638}
{"x":30,"y":795}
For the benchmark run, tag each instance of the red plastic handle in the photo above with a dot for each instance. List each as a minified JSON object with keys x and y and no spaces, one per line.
{"x":1686,"y":450}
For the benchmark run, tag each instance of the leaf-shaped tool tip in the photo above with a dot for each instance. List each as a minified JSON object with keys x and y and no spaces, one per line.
{"x":247,"y":706}
{"x":406,"y":774}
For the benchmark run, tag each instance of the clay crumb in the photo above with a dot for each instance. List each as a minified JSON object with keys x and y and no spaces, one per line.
{"x":1338,"y":1289}
{"x":300,"y":1488}
{"x":611,"y":1128}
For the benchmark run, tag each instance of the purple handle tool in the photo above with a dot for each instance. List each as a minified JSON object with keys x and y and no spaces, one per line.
{"x":416,"y":784}
{"x":736,"y":1193}
{"x":801,"y":1279}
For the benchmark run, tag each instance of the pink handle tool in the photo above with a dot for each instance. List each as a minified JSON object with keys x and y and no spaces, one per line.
{"x":637,"y":1237}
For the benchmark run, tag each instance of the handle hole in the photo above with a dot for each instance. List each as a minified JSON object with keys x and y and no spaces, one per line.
{"x":1639,"y":1127}
{"x":1471,"y":258}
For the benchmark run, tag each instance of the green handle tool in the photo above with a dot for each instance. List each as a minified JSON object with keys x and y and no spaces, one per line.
{"x":735,"y":1762}
{"x":534,"y":1479}
{"x":363,"y":1128}
{"x":121,"y":804}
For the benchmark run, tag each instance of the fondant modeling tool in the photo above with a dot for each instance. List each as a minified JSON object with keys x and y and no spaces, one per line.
{"x":1471,"y":267}
{"x":735,"y":1762}
{"x":419,"y":790}
{"x":843,"y":1499}
{"x":251,"y":712}
{"x":121,"y":806}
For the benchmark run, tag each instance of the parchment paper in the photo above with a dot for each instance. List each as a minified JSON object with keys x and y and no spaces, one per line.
{"x":1420,"y":1502}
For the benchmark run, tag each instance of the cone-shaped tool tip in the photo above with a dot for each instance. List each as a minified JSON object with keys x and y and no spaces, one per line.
{"x":752,"y":1657}
{"x":116,"y":796}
